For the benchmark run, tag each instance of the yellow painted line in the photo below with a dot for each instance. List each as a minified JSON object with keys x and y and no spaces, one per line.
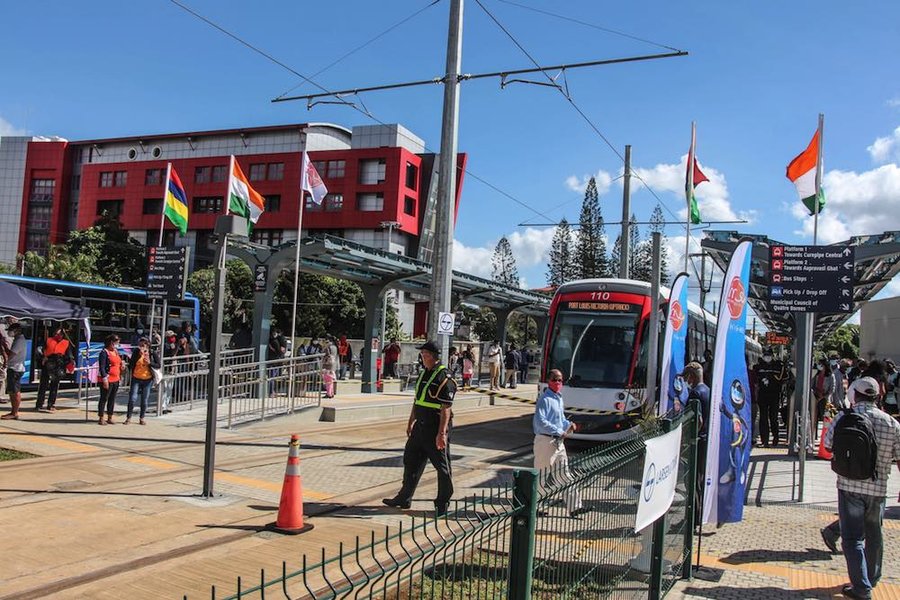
{"x":892,"y":524}
{"x":801,"y":579}
{"x":57,"y":443}
{"x":151,"y":462}
{"x":264,"y":485}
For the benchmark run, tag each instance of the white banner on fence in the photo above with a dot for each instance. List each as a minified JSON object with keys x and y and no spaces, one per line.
{"x":660,"y":477}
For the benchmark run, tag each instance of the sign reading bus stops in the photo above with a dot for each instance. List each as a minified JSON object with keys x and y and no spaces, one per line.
{"x":813,"y":279}
{"x":167,"y":273}
{"x":445,"y":323}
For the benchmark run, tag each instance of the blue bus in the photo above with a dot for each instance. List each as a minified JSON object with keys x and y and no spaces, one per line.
{"x":123,"y":311}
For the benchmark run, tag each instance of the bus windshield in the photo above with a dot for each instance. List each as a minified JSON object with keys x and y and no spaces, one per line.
{"x":593,"y":349}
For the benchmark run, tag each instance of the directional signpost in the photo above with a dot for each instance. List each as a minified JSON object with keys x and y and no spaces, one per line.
{"x":811,"y":279}
{"x":167,"y":273}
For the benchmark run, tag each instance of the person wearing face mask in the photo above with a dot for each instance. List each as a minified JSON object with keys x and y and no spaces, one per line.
{"x":110,"y":371}
{"x":698,"y":390}
{"x":550,"y":430}
{"x":143,"y":359}
{"x":769,"y":376}
{"x":58,"y":353}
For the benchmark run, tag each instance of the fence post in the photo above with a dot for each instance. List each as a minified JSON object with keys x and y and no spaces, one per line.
{"x":521,"y":542}
{"x":691,"y":489}
{"x":659,"y":541}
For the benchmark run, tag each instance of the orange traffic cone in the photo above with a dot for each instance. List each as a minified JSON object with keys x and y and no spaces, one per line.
{"x":290,"y":509}
{"x":823,"y":451}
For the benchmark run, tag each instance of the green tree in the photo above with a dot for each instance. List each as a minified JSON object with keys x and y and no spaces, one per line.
{"x":59,"y":263}
{"x":590,"y":247}
{"x":615,"y":256}
{"x":325,"y":305}
{"x":560,"y":268}
{"x":844,"y":340}
{"x":238,"y":294}
{"x":118,"y":258}
{"x":504,"y":264}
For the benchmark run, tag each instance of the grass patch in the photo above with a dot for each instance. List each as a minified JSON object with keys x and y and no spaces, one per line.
{"x":7,"y":454}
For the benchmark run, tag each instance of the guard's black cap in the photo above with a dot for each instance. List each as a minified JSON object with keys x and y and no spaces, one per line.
{"x":430,"y":347}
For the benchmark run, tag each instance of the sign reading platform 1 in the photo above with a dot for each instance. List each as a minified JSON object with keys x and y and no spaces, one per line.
{"x":167,"y":273}
{"x":814,"y":279}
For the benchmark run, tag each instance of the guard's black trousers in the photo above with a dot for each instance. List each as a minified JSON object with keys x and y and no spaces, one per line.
{"x":768,"y":418}
{"x":421,"y":448}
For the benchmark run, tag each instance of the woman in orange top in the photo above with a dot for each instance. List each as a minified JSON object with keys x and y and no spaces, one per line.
{"x":142,"y":360}
{"x":110,"y":366}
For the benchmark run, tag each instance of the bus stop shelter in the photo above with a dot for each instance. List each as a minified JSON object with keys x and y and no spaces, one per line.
{"x":375,"y":271}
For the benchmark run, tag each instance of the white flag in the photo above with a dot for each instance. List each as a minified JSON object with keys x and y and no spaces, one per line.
{"x":311,"y":182}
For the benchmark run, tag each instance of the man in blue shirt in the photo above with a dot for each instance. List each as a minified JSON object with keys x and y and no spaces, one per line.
{"x":550,"y":429}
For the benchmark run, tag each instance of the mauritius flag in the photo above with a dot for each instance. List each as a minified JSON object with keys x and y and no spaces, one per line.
{"x":243,"y":200}
{"x":176,"y":206}
{"x":802,"y":171}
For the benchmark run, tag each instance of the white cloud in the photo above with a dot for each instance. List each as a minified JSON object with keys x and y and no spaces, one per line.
{"x":578,"y":184}
{"x":886,"y":149}
{"x":530,"y":247}
{"x":8,"y":129}
{"x":712,"y":195}
{"x":894,"y":102}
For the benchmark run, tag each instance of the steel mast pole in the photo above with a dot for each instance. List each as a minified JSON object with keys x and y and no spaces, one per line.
{"x":625,"y":241}
{"x":442,"y":271}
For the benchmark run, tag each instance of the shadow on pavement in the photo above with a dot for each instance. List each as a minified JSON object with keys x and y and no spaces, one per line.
{"x":770,"y":593}
{"x":97,"y":493}
{"x":762,"y":556}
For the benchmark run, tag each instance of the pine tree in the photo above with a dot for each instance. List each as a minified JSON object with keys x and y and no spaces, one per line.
{"x":641,"y":259}
{"x":590,"y":247}
{"x":615,"y":257}
{"x":559,"y":269}
{"x":657,"y":224}
{"x":504,"y":264}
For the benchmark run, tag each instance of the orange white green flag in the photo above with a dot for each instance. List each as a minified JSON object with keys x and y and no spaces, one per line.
{"x":802,"y":172}
{"x":243,"y":200}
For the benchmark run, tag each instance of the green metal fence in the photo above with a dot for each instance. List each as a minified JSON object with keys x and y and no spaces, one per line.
{"x":519,"y":540}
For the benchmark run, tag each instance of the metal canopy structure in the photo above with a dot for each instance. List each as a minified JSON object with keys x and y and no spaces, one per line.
{"x":877,"y":261}
{"x":376,"y":271}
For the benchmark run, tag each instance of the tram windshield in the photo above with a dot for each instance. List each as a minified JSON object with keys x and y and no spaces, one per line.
{"x":593,"y":349}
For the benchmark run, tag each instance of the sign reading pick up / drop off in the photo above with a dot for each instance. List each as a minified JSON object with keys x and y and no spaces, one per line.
{"x":812,"y":279}
{"x":660,"y":477}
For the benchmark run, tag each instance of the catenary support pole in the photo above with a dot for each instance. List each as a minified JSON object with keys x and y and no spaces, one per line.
{"x":212,"y":393}
{"x":442,"y":275}
{"x":653,"y":329}
{"x":625,"y":241}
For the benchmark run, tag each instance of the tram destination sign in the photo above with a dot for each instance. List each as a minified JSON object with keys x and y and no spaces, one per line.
{"x":814,"y":279}
{"x":167,"y":273}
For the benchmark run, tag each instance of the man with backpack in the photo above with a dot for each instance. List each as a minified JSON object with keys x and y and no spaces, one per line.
{"x":865,"y":441}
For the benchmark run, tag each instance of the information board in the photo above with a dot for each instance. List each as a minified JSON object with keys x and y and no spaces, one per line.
{"x":167,"y":273}
{"x":814,"y":279}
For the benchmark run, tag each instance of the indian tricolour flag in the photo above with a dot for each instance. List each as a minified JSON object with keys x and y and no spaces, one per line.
{"x":243,"y":200}
{"x":802,"y":171}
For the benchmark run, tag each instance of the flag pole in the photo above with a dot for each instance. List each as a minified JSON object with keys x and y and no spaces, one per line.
{"x":689,"y":192}
{"x":162,"y":226}
{"x":819,"y":133}
{"x":304,"y":161}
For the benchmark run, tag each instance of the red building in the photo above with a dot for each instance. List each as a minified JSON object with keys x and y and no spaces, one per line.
{"x":375,"y":175}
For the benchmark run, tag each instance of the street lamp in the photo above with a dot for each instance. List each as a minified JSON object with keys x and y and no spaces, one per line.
{"x":389,"y":225}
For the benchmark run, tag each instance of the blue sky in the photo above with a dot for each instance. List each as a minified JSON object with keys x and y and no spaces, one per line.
{"x":756,"y":79}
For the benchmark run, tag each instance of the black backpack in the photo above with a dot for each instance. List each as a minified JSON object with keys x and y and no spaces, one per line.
{"x":854,"y":447}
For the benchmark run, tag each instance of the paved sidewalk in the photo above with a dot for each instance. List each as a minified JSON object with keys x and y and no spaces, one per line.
{"x":777,"y":552}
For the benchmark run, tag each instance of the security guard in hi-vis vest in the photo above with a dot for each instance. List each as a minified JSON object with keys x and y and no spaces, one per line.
{"x":428,"y":431}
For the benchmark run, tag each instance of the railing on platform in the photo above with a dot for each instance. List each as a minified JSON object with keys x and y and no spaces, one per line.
{"x":518,"y":542}
{"x":256,"y":390}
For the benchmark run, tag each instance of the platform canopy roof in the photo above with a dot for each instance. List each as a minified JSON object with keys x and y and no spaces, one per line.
{"x":877,"y":261}
{"x":337,"y":257}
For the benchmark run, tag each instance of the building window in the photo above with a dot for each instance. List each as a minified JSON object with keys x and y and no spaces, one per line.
{"x":273,"y":202}
{"x":38,"y":218}
{"x":204,"y":241}
{"x":121,"y":179}
{"x":276,"y":171}
{"x":37,"y":242}
{"x":409,"y":206}
{"x":334,"y":202}
{"x":112,"y":208}
{"x":42,"y":191}
{"x":76,"y":182}
{"x":168,"y":238}
{"x":412,"y":176}
{"x":335,"y":169}
{"x":258,"y":172}
{"x":153,"y":206}
{"x":311,"y":206}
{"x":370,"y":202}
{"x":153,"y":177}
{"x":321,"y":167}
{"x":208,"y":204}
{"x":201,"y":175}
{"x":219,"y":172}
{"x":371,"y":171}
{"x":106,"y":179}
{"x":268,"y":237}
